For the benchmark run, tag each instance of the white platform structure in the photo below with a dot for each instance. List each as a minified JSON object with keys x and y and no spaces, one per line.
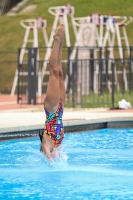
{"x":90,"y":31}
{"x":119,"y":38}
{"x":104,"y":26}
{"x":61,"y":14}
{"x":31,"y":26}
{"x":100,"y":31}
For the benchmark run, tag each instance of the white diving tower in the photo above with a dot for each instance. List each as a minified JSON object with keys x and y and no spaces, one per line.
{"x":61,"y":14}
{"x":31,"y":26}
{"x":100,"y":31}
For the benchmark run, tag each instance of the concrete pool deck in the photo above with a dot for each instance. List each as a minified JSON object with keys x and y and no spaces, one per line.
{"x":34,"y":118}
{"x":16,"y":118}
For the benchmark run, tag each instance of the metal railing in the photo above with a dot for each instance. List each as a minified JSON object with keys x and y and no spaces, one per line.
{"x":100,"y":80}
{"x":8,"y":65}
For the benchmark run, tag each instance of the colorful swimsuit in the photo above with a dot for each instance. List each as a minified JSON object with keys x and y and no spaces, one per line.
{"x":54,"y":126}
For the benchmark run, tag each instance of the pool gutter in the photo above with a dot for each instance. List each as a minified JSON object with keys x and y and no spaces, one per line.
{"x":69,"y":126}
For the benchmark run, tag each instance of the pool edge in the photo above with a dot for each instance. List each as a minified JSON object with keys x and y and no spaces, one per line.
{"x":69,"y":126}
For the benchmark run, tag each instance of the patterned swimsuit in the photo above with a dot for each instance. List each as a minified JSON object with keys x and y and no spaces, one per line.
{"x":54,"y":126}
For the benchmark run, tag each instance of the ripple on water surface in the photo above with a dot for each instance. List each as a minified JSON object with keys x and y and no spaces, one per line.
{"x":95,"y":165}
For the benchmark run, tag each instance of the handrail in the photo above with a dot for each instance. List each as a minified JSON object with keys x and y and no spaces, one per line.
{"x":32,"y":23}
{"x":53,"y":10}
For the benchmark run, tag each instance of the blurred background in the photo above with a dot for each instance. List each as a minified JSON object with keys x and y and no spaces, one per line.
{"x":97,"y":53}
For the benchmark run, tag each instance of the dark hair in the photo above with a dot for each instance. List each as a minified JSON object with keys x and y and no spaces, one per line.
{"x":40,"y":136}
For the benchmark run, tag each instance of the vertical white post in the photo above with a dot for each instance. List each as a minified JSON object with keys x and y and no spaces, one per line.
{"x":121,"y":53}
{"x":101,"y":31}
{"x":66,"y":31}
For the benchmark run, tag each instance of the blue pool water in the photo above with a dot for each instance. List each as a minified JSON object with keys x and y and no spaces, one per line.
{"x":95,"y":165}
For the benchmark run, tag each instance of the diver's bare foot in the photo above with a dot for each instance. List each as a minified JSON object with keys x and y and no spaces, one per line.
{"x":59,"y":35}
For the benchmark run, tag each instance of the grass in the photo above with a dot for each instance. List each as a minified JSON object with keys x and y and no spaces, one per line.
{"x":100,"y":100}
{"x":11,"y":33}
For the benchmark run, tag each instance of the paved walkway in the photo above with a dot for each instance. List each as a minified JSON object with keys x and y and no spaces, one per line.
{"x":16,"y":117}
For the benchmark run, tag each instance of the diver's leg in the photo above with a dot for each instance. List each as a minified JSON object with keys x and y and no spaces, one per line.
{"x":61,"y":78}
{"x":53,"y":91}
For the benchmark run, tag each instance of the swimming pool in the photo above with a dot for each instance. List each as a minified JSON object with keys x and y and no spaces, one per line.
{"x":96,"y":165}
